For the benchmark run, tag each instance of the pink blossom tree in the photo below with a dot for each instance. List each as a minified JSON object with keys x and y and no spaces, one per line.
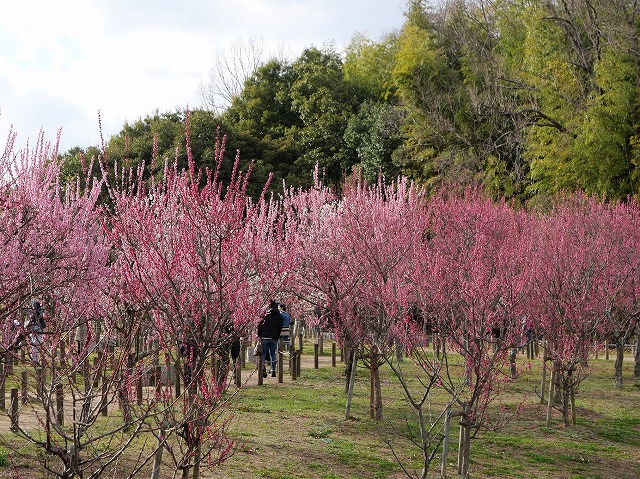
{"x":472,"y":284}
{"x":621,"y":226}
{"x":581,"y":283}
{"x":354,"y":254}
{"x":203,"y":259}
{"x":54,"y":252}
{"x":323,"y":283}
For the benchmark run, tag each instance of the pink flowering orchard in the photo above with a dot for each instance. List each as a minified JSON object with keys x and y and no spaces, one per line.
{"x":146,"y":281}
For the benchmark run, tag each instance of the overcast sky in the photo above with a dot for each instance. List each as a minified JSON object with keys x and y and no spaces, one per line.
{"x":63,"y":61}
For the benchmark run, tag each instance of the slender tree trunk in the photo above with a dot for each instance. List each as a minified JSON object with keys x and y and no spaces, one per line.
{"x":350,"y":355}
{"x":378,"y":392}
{"x":636,"y":356}
{"x":464,"y":448}
{"x":566,"y":400}
{"x":196,"y":463}
{"x":424,"y":442}
{"x":619,"y":360}
{"x":352,"y":381}
{"x":157,"y":460}
{"x":550,"y":399}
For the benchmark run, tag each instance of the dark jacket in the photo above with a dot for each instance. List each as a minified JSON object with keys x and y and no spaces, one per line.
{"x":271,"y":325}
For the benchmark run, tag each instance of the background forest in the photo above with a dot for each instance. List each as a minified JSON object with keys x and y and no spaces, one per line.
{"x":525,"y":97}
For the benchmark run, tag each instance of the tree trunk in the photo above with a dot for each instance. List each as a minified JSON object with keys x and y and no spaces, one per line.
{"x":512,"y":361}
{"x":352,"y":381}
{"x":378,"y":393}
{"x":350,"y":355}
{"x":157,"y":460}
{"x":557,"y":387}
{"x":636,"y":356}
{"x":567,"y":393}
{"x":463,"y":451}
{"x":619,"y":360}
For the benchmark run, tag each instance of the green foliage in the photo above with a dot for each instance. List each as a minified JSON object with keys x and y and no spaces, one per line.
{"x":526,"y":98}
{"x":586,"y":98}
{"x":374,"y":133}
{"x":368,"y":65}
{"x":299,"y":111}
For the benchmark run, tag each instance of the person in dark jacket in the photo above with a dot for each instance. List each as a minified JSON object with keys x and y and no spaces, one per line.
{"x":269,"y":331}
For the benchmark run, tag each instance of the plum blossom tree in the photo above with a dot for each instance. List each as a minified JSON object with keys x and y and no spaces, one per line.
{"x":322,"y":280}
{"x":55,"y":252}
{"x":203,"y":259}
{"x":619,"y":225}
{"x":354,"y":254}
{"x":584,"y":285}
{"x":380,"y":227}
{"x":472,"y":284}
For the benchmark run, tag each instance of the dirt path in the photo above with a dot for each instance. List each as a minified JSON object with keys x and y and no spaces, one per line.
{"x":31,"y":415}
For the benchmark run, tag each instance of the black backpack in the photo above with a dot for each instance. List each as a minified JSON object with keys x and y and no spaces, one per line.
{"x":37,"y":316}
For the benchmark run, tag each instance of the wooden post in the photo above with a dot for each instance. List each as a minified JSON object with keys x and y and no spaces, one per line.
{"x":96,"y":364}
{"x":158,"y":375}
{"x":176,"y":368}
{"x":316,"y":348}
{"x":549,"y":404}
{"x":105,"y":398}
{"x":445,"y":444}
{"x":300,"y":342}
{"x":139,"y":390}
{"x":321,"y":343}
{"x":606,"y":350}
{"x":243,"y":352}
{"x":292,"y":364}
{"x":60,"y":404}
{"x":3,"y":388}
{"x":238,"y":367}
{"x":25,"y":391}
{"x":543,"y":384}
{"x":280,"y":359}
{"x":372,"y":390}
{"x":298,"y":359}
{"x":333,"y":354}
{"x":14,"y":409}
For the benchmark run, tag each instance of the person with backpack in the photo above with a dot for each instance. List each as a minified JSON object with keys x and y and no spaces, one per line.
{"x":269,"y":330}
{"x":34,"y":327}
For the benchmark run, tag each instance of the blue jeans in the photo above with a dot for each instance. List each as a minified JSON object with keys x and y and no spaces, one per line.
{"x":269,"y":346}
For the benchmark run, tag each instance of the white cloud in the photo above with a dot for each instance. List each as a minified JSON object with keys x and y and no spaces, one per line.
{"x":61,"y":62}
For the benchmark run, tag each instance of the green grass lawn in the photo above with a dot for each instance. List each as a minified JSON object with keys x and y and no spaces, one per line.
{"x":297,"y":429}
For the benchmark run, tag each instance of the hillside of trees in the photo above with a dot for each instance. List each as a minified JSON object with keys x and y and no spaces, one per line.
{"x":525,"y":97}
